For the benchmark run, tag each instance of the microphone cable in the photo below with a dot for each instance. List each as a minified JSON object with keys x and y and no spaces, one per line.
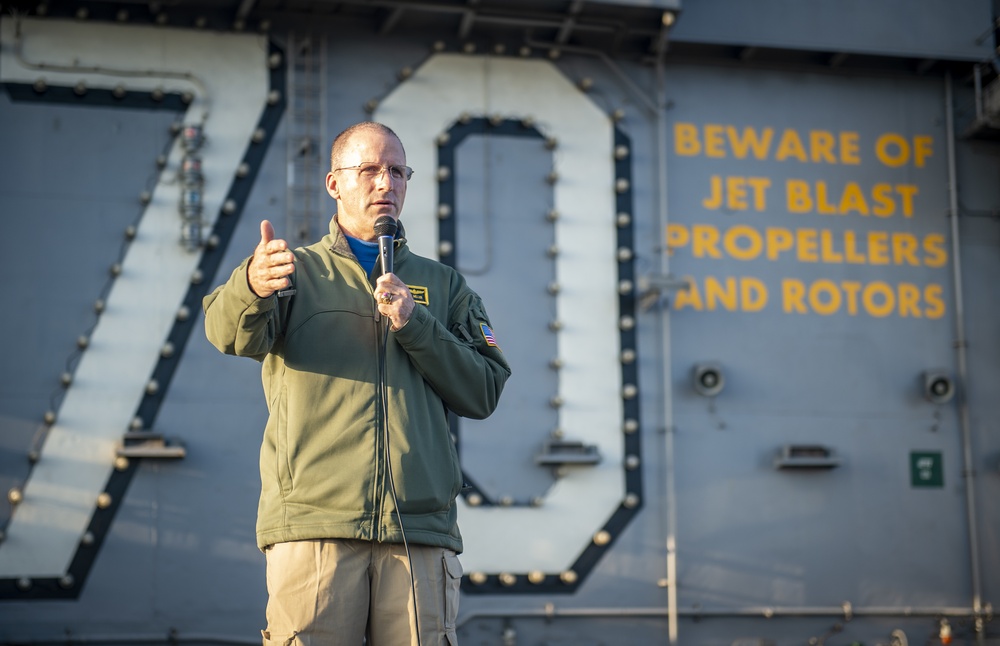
{"x":384,"y":397}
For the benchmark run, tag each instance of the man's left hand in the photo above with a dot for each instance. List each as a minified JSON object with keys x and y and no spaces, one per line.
{"x":394,"y":300}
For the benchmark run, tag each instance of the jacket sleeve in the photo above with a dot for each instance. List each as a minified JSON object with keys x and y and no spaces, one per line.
{"x":237,"y":321}
{"x":461,"y":361}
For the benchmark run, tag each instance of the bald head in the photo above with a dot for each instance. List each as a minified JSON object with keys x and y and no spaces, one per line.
{"x":341,"y":141}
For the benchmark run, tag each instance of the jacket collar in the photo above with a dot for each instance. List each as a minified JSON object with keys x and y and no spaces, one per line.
{"x":338,"y":241}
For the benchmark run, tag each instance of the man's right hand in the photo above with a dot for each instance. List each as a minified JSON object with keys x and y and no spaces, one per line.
{"x":271,"y":264}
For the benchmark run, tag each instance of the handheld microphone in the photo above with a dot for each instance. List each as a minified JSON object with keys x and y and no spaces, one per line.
{"x":385,"y":229}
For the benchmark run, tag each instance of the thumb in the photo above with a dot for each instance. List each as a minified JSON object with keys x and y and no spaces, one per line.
{"x":266,"y":232}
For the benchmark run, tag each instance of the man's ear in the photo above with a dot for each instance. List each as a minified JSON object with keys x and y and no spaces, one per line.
{"x":331,"y":186}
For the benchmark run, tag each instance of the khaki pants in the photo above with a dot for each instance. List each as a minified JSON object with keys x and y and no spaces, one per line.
{"x":329,"y":592}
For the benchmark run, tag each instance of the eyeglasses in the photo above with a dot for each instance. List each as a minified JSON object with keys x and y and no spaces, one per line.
{"x":371,"y":170}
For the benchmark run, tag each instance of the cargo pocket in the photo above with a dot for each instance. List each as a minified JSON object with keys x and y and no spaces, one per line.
{"x":452,"y":583}
{"x":279,"y":640}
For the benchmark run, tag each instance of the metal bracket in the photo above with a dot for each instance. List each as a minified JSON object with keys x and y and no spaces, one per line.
{"x":143,"y":444}
{"x":806,"y":456}
{"x":560,"y":453}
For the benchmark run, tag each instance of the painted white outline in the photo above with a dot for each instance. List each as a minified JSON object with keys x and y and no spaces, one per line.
{"x":230,"y":71}
{"x":551,"y":537}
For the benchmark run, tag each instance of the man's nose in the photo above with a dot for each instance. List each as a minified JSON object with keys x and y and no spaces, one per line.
{"x":384,"y":178}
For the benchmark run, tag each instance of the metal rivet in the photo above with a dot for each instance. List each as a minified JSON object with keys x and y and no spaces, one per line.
{"x":116,"y":269}
{"x":167,"y":350}
{"x":443,"y":173}
{"x":569,"y":577}
{"x":82,"y":342}
{"x":536,"y":577}
{"x":623,"y":219}
{"x":528,"y":122}
{"x":99,"y":306}
{"x":625,"y":287}
{"x":40,"y":86}
{"x":66,"y":582}
{"x":87,"y":538}
{"x":537,"y":501}
{"x":631,"y":501}
{"x":477,"y":578}
{"x":602,"y":538}
{"x":49,"y":417}
{"x":628,"y":356}
{"x":525,"y":51}
{"x":618,"y":114}
{"x":258,"y":135}
{"x":66,"y":379}
{"x":474,"y":499}
{"x":507,"y":579}
{"x":630,"y":426}
{"x":118,"y":92}
{"x":445,"y":248}
{"x":585,"y":83}
{"x":552,"y":177}
{"x":554,"y":288}
{"x":624,"y":254}
{"x":506,"y":501}
{"x":495,"y":120}
{"x":121,"y":463}
{"x":24,"y":583}
{"x":551,"y":143}
{"x":404,"y":73}
{"x":243,"y":170}
{"x":621,"y":185}
{"x":469,"y":48}
{"x":145,"y":197}
{"x":273,"y":97}
{"x":273,"y":61}
{"x":555,"y":326}
{"x":444,"y":211}
{"x":552,"y":251}
{"x":626,"y":323}
{"x":104,"y":500}
{"x":621,"y":152}
{"x":157,"y":94}
{"x":552,"y":215}
{"x":556,"y":363}
{"x":629,"y":391}
{"x":136,"y":424}
{"x":371,"y":105}
{"x":632,"y":462}
{"x":443,"y":138}
{"x":556,"y":401}
{"x":15,"y":496}
{"x":499,"y":49}
{"x":197,"y":276}
{"x":183,"y":313}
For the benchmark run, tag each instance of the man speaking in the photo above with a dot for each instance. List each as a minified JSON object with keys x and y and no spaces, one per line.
{"x":359,"y":473}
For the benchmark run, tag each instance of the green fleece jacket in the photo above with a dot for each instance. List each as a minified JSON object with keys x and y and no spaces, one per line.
{"x":323,"y":459}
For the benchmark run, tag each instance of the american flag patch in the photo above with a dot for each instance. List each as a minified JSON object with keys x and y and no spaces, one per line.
{"x":488,"y":335}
